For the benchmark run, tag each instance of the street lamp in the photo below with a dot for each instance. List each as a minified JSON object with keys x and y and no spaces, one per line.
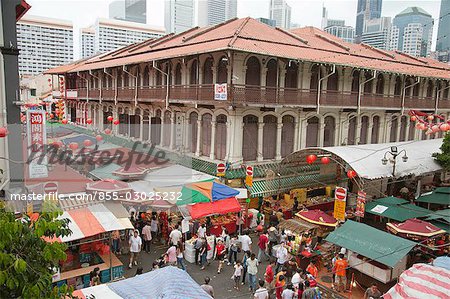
{"x":394,"y":153}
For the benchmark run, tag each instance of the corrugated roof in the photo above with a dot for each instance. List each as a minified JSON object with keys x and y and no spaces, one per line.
{"x":397,"y":212}
{"x":249,"y":35}
{"x":370,"y":242}
{"x":439,"y":196}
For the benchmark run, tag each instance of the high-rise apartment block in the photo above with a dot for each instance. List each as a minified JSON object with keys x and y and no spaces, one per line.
{"x":443,"y":35}
{"x":280,"y":11}
{"x":267,"y":21}
{"x":337,"y":27}
{"x":44,"y":43}
{"x":378,"y":33}
{"x":129,"y":10}
{"x":87,"y":42}
{"x":366,"y":10}
{"x":212,"y":12}
{"x":178,"y":15}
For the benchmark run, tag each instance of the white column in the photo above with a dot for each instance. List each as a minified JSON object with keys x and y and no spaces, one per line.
{"x":141,"y":127}
{"x":321,"y":131}
{"x":399,"y":124}
{"x":296,"y":133}
{"x":162,"y":130}
{"x":358,"y":130}
{"x":303,"y":126}
{"x":229,"y":138}
{"x":199,"y":131}
{"x":150,"y":126}
{"x":369,"y":131}
{"x":172,"y":130}
{"x":187,"y":134}
{"x":260,"y":141}
{"x":278,"y":144}
{"x":212,"y":154}
{"x":408,"y":124}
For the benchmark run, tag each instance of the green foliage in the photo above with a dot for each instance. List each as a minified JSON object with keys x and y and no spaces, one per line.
{"x":443,"y":158}
{"x":26,"y":259}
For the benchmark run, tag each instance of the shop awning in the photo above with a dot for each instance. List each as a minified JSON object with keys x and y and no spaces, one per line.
{"x":441,"y":219}
{"x":366,"y":159}
{"x":421,"y":281}
{"x":174,"y":175}
{"x":318,"y":217}
{"x":439,"y":196}
{"x":371,"y":242}
{"x":415,"y":227}
{"x":93,"y":220}
{"x":296,"y":225}
{"x":221,"y":207}
{"x":206,"y":191}
{"x":396,"y":209}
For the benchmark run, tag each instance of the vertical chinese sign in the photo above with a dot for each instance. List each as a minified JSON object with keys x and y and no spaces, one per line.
{"x":360,"y":204}
{"x":37,"y":139}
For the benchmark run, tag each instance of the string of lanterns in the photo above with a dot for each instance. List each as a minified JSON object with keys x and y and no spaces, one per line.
{"x":310,"y":159}
{"x":424,"y":122}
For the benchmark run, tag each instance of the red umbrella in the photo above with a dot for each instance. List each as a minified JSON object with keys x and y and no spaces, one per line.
{"x":108,"y":186}
{"x":132,"y":171}
{"x":415,"y":227}
{"x":318,"y":217}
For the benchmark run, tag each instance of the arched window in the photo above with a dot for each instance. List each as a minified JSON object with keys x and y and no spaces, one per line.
{"x":412,"y":129}
{"x":364,"y":130}
{"x":155,"y":127}
{"x":430,"y":89}
{"x":375,"y":129}
{"x":193,"y":123}
{"x":351,"y":138}
{"x":314,"y":80}
{"x":291,"y":79}
{"x":221,"y":137}
{"x":333,"y":82}
{"x":394,"y":125}
{"x":167,"y":128}
{"x":146,"y":77}
{"x":269,"y":136}
{"x":369,"y":84}
{"x":272,"y":73}
{"x":222,"y":71}
{"x":355,"y":80}
{"x":287,"y":135}
{"x":253,"y":72}
{"x":312,"y":130}
{"x":146,"y":126}
{"x":398,"y":86}
{"x":250,"y":138}
{"x":178,"y":74}
{"x":206,"y":134}
{"x":126,"y":79}
{"x":416,"y":90}
{"x":119,"y":78}
{"x":208,"y":71}
{"x":380,"y":84}
{"x":193,"y":78}
{"x":159,"y":78}
{"x":329,"y":131}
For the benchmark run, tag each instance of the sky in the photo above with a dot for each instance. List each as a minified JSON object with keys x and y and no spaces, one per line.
{"x":83,"y":13}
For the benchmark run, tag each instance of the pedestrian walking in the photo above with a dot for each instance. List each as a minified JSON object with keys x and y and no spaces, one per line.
{"x":269,"y":276}
{"x":273,"y":239}
{"x":220,"y":254}
{"x":288,"y":293}
{"x":198,"y":246}
{"x":252,"y":269}
{"x":147,"y":236}
{"x":246,"y":242}
{"x":263,"y":242}
{"x":312,"y":269}
{"x":372,"y":292}
{"x":297,"y":279}
{"x":180,"y":256}
{"x":203,"y":254}
{"x":201,"y":232}
{"x":207,"y":287}
{"x":340,"y":268}
{"x":175,"y":236}
{"x":233,"y":251}
{"x":115,"y":236}
{"x":238,"y":269}
{"x":310,"y":292}
{"x":261,"y":292}
{"x":282,"y":256}
{"x":154,"y":224}
{"x":135,"y":243}
{"x":245,"y":265}
{"x":172,"y":255}
{"x":279,"y":286}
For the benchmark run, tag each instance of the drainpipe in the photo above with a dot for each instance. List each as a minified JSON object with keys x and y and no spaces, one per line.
{"x":115,"y":89}
{"x":100,"y":85}
{"x":167,"y":81}
{"x":438,"y":95}
{"x":87,"y":86}
{"x":359,"y":90}
{"x":135,"y":84}
{"x":404,"y":93}
{"x":319,"y":86}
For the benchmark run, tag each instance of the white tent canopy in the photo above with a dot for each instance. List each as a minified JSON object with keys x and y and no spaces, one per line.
{"x":366,"y":159}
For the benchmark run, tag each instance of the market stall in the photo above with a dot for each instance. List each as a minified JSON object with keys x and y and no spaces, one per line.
{"x":440,"y":218}
{"x":415,"y":229}
{"x":325,"y":222}
{"x":438,"y":197}
{"x":396,"y":209}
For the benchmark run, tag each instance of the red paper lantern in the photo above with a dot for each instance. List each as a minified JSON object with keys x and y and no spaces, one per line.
{"x":109,"y":118}
{"x":435,"y":128}
{"x":89,"y":121}
{"x":49,"y":80}
{"x":57,"y":144}
{"x":413,"y":118}
{"x":87,"y":142}
{"x":351,"y":174}
{"x":421,"y":126}
{"x":57,"y":111}
{"x":116,"y":122}
{"x":3,"y":132}
{"x":430,"y":117}
{"x":64,"y":121}
{"x":51,"y":115}
{"x":325,"y":160}
{"x":445,"y":127}
{"x":73,"y":146}
{"x":107,"y":131}
{"x":99,"y":137}
{"x":311,"y":158}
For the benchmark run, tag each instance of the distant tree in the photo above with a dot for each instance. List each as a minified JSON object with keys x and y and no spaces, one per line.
{"x":443,"y":158}
{"x":27,"y":261}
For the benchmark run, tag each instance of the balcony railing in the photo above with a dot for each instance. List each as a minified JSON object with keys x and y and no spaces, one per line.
{"x":250,"y":94}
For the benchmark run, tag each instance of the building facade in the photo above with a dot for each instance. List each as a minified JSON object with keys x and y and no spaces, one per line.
{"x":178,"y":15}
{"x":276,"y":103}
{"x":212,"y":12}
{"x":366,"y":10}
{"x":44,"y":43}
{"x":107,"y":35}
{"x":129,"y":10}
{"x":415,"y":31}
{"x":378,"y":33}
{"x":346,"y":33}
{"x":443,"y":35}
{"x":280,"y":11}
{"x":267,"y":21}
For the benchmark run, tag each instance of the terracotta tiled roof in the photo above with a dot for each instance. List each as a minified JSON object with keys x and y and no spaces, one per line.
{"x":249,"y":35}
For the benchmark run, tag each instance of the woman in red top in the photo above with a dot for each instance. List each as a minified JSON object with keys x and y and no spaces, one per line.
{"x":220,"y":254}
{"x":279,"y":286}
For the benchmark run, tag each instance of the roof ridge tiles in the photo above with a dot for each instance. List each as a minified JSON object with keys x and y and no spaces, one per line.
{"x":411,"y":57}
{"x":238,"y":31}
{"x":149,"y":42}
{"x":331,"y":41}
{"x":124,"y":49}
{"x":207,"y":29}
{"x":378,"y":50}
{"x":172,"y":36}
{"x":293,"y":35}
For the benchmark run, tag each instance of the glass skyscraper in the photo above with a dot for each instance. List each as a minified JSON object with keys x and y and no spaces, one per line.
{"x":443,"y":36}
{"x":366,"y":10}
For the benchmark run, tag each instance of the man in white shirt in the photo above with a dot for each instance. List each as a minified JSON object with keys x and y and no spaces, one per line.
{"x":245,"y":242}
{"x":201,"y":232}
{"x":262,"y":292}
{"x":135,"y":247}
{"x":297,"y":279}
{"x":282,"y":256}
{"x":175,"y":236}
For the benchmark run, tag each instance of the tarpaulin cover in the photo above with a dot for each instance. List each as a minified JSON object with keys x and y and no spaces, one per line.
{"x":207,"y":191}
{"x":164,"y":283}
{"x":416,"y":227}
{"x":220,"y":191}
{"x":318,"y":217}
{"x":421,"y":281}
{"x":371,"y":242}
{"x":439,"y":196}
{"x":108,"y":186}
{"x":396,"y":209}
{"x":229,"y":205}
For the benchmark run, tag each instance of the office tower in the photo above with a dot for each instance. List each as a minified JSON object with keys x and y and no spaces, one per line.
{"x":179,"y":15}
{"x":346,"y":33}
{"x":378,"y":33}
{"x":87,"y":42}
{"x":44,"y":43}
{"x":366,"y":10}
{"x":112,"y":34}
{"x":267,"y":21}
{"x":326,"y":22}
{"x":443,"y":36}
{"x":280,"y":11}
{"x":129,"y":10}
{"x":415,"y":31}
{"x":212,"y":12}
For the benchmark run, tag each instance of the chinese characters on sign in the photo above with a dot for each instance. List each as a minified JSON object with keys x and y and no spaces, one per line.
{"x":360,"y":204}
{"x":220,"y":92}
{"x":37,"y":139}
{"x":340,"y":198}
